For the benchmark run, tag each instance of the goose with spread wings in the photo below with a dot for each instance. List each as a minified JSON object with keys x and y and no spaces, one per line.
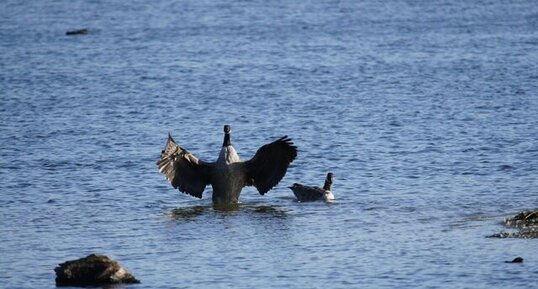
{"x":228,"y":175}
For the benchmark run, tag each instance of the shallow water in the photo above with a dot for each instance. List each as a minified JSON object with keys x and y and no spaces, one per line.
{"x":425,"y":112}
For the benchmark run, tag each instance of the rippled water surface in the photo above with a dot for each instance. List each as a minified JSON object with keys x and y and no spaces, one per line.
{"x":425,"y":112}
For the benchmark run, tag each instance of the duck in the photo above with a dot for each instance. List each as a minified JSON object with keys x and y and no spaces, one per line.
{"x":307,"y":193}
{"x":228,"y":175}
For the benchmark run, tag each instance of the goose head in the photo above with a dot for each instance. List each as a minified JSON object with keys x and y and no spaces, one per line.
{"x":328,"y":182}
{"x":227,"y":133}
{"x":329,"y":178}
{"x":295,"y":185}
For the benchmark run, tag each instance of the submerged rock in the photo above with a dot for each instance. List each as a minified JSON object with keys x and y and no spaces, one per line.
{"x":92,"y":270}
{"x":526,"y":224}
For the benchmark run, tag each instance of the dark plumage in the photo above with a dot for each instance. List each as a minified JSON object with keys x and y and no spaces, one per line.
{"x":93,"y":270}
{"x":228,"y":175}
{"x":307,"y":193}
{"x":77,"y":32}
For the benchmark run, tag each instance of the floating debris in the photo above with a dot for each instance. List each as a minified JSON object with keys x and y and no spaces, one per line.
{"x":525,"y":222}
{"x":92,"y":270}
{"x":525,"y":219}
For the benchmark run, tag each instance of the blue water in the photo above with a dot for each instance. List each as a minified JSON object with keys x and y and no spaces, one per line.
{"x":425,"y":112}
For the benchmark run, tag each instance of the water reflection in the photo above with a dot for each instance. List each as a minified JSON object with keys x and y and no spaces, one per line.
{"x":226,"y":207}
{"x":470,"y":220}
{"x":269,"y":210}
{"x":111,"y":286}
{"x":190,"y":213}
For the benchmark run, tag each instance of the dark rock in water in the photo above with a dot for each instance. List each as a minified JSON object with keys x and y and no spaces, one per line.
{"x":516,"y":260}
{"x":92,"y":270}
{"x":525,"y":222}
{"x":77,"y":32}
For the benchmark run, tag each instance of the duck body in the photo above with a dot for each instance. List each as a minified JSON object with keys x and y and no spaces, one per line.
{"x":312,"y":193}
{"x":228,"y":175}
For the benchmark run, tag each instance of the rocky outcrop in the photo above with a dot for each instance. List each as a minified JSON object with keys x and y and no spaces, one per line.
{"x":525,"y":224}
{"x":92,"y":270}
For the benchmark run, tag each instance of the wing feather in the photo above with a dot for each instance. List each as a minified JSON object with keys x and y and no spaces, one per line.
{"x":270,"y":163}
{"x":183,"y":170}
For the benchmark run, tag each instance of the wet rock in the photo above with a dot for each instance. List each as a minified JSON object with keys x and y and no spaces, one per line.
{"x":526,"y":224}
{"x":77,"y":32}
{"x":516,"y":260}
{"x":92,"y":270}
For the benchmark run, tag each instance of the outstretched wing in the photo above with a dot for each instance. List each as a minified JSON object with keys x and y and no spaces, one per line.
{"x":183,"y":170}
{"x":270,"y":163}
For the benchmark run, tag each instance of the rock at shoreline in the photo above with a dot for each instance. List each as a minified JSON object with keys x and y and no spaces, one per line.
{"x":526,"y":224}
{"x":92,"y":270}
